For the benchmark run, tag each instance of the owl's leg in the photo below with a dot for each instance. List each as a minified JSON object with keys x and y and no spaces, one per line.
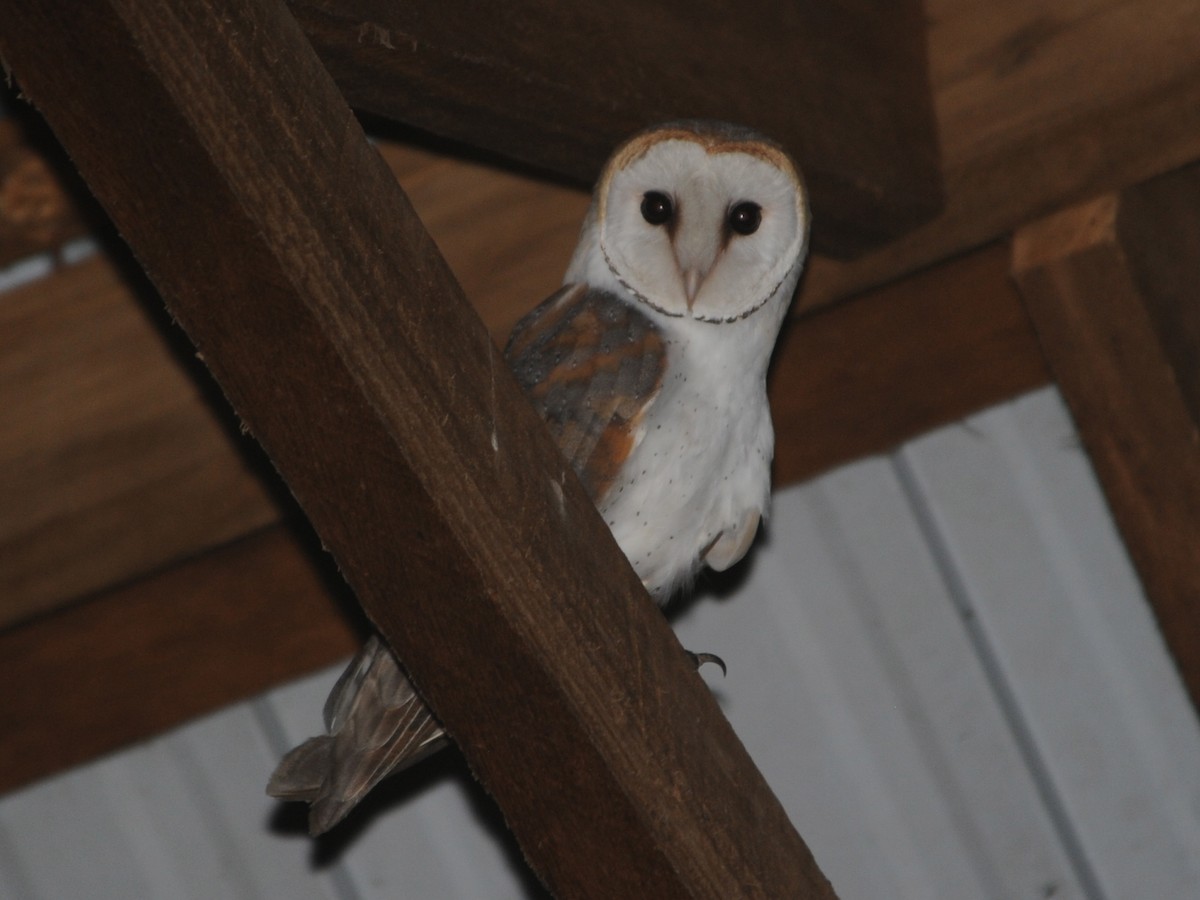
{"x":699,"y":659}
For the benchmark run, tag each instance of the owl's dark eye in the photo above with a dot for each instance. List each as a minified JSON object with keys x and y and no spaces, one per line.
{"x":657,"y":208}
{"x":745,"y":217}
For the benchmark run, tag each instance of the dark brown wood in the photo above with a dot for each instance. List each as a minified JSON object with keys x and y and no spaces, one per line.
{"x":842,"y":85}
{"x":863,"y":376}
{"x":507,"y":236}
{"x":112,"y":464}
{"x":144,"y":658}
{"x":1158,"y":224}
{"x":1039,"y":107}
{"x":1093,"y":314}
{"x":330,"y":320}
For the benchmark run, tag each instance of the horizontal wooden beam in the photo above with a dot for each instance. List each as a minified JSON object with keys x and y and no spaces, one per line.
{"x":852,"y":380}
{"x":1032,"y":116}
{"x":1110,"y":286}
{"x":557,"y":85}
{"x":140,"y":659}
{"x":135,"y":436}
{"x":113,"y":463}
{"x":339,"y":335}
{"x":113,"y":420}
{"x":1037,"y":110}
{"x":865,"y":375}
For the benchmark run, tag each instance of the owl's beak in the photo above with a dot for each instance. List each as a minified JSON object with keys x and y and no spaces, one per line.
{"x":691,"y":285}
{"x":696,"y":251}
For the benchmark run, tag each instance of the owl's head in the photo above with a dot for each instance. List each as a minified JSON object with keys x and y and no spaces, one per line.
{"x":702,"y":220}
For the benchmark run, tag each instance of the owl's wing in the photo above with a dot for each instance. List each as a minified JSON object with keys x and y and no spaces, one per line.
{"x":591,"y":365}
{"x":377,"y":725}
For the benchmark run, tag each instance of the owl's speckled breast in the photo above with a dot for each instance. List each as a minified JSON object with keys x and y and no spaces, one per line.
{"x":701,"y":465}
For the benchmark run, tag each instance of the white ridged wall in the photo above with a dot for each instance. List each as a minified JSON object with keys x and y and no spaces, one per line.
{"x":941,"y":660}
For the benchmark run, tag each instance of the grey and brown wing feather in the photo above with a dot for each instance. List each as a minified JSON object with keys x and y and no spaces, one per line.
{"x":377,"y":725}
{"x":591,"y":365}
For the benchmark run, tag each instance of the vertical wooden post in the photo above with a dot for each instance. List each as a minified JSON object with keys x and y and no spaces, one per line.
{"x":1112,"y":289}
{"x":228,"y":159}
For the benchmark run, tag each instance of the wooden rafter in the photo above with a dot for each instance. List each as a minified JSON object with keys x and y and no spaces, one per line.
{"x":867,"y":374}
{"x":1110,"y":286}
{"x":338,"y":333}
{"x":108,"y":428}
{"x":140,"y":659}
{"x":1039,"y":107}
{"x":842,"y":85}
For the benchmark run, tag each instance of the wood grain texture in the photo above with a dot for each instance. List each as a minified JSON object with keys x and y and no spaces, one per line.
{"x":338,"y":333}
{"x":1099,"y":320}
{"x":507,"y":236}
{"x":865,"y":375}
{"x":111,"y":462}
{"x":1039,"y":107}
{"x":841,"y":84}
{"x":144,"y":658}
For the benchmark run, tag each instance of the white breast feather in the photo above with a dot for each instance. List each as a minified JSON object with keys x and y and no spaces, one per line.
{"x":702,"y":461}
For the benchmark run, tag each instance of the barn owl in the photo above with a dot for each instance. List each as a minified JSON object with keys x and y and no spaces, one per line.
{"x":649,"y":367}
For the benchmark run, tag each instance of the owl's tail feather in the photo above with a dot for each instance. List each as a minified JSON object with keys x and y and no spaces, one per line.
{"x":302,"y":772}
{"x":378,"y":725}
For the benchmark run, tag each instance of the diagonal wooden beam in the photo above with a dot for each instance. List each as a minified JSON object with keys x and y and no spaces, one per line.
{"x":843,"y":85}
{"x":1110,"y":287}
{"x":139,"y":660}
{"x":225,"y":154}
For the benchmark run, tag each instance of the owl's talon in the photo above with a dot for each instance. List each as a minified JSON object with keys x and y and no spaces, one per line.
{"x":699,"y":659}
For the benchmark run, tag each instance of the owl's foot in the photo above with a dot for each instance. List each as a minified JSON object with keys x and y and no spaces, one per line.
{"x":699,"y":659}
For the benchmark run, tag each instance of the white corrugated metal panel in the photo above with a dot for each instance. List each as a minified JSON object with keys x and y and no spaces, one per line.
{"x":1061,"y":618}
{"x":25,"y":271}
{"x":941,"y":661}
{"x":181,"y":817}
{"x":858,"y":692}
